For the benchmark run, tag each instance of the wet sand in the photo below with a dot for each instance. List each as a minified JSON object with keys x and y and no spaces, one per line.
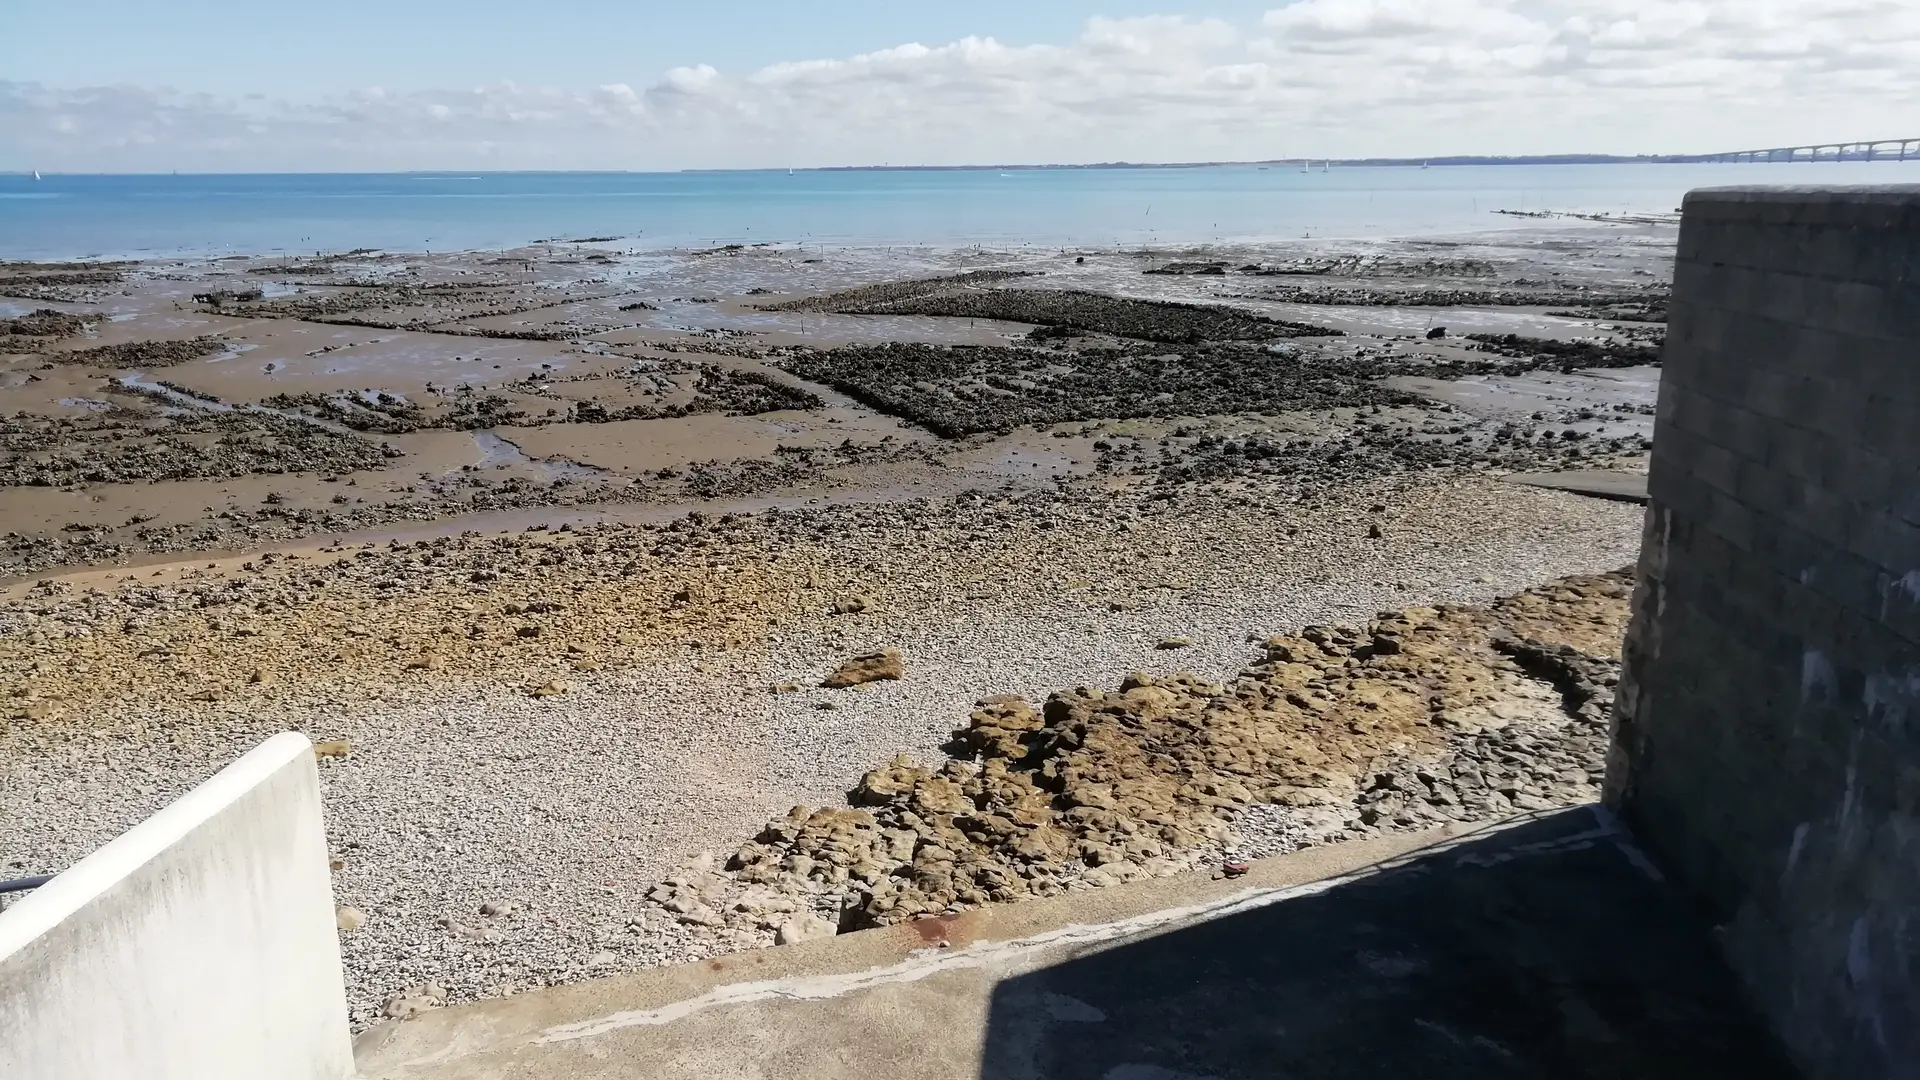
{"x":349,"y":393}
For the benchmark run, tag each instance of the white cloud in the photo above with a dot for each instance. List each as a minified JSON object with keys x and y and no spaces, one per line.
{"x":1314,"y":77}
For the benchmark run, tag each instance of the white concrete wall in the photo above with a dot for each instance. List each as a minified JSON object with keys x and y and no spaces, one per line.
{"x":200,"y":945}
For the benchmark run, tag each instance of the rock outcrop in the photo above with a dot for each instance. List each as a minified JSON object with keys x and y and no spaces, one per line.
{"x":1433,"y":714}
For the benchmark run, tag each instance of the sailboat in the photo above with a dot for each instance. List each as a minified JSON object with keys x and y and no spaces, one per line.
{"x":36,"y":174}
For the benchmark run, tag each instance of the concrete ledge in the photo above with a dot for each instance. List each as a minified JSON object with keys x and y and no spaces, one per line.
{"x":436,"y":1044}
{"x":1394,"y":956}
{"x":199,"y":945}
{"x":1804,"y":194}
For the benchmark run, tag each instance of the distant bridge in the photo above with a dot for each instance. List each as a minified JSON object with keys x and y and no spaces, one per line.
{"x":1877,"y":150}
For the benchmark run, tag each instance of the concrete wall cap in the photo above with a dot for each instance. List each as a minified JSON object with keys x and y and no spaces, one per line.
{"x":1853,"y":193}
{"x":79,"y":885}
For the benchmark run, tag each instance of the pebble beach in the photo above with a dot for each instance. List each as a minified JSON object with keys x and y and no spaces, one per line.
{"x":463,"y":789}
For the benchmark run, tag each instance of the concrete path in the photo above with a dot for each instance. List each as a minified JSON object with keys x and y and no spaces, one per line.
{"x":1546,"y":947}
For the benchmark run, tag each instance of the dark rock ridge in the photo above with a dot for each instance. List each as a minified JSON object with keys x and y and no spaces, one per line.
{"x":962,"y":296}
{"x":1445,"y":296}
{"x":964,"y":389}
{"x":1564,"y":356}
{"x":43,"y":323}
{"x":1361,"y":266}
{"x":958,"y":390}
{"x":1652,"y":309}
{"x":1364,"y":451}
{"x":715,"y":390}
{"x":41,"y":452}
{"x":140,"y":354}
{"x":1144,"y":320}
{"x":869,"y":296}
{"x":19,"y":275}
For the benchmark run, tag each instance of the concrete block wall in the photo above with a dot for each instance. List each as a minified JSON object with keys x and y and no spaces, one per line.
{"x":199,"y":945}
{"x":1767,"y":733}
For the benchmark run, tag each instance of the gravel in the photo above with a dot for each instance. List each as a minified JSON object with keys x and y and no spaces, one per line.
{"x":498,"y":842}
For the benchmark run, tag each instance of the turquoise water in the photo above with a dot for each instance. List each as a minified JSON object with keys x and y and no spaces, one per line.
{"x":74,"y":216}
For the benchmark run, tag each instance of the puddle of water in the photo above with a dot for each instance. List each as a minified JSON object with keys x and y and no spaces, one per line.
{"x":496,"y":450}
{"x":88,"y":404}
{"x":138,"y":380}
{"x":188,"y":401}
{"x":1418,"y":320}
{"x":441,"y":360}
{"x":1016,"y":460}
{"x":234,"y":349}
{"x":1517,"y":397}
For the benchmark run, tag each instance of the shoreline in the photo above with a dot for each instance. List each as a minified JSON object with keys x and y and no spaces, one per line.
{"x":1010,"y":245}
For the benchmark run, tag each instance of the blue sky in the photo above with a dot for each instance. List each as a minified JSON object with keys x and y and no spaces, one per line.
{"x":220,"y":85}
{"x":271,"y":46}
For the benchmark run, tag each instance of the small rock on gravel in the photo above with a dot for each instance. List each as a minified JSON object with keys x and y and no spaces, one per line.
{"x":415,"y":1000}
{"x":872,"y":667}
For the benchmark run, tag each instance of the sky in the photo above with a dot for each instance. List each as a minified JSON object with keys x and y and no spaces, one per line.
{"x":221,"y":85}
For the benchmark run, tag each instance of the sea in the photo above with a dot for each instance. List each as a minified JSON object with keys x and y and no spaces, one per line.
{"x":119,"y":216}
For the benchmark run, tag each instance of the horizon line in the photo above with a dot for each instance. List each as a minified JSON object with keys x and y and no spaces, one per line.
{"x":1438,"y":161}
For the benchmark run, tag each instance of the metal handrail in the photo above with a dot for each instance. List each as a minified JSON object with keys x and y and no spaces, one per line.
{"x":23,"y":884}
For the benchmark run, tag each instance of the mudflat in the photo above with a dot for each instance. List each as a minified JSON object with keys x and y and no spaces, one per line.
{"x":1019,"y":572}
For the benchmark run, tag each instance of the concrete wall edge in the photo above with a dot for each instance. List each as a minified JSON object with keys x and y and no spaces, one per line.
{"x":93,"y":876}
{"x":1804,"y":193}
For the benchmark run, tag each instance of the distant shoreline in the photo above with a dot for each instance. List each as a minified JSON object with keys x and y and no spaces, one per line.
{"x":1350,"y":163}
{"x":1455,"y":160}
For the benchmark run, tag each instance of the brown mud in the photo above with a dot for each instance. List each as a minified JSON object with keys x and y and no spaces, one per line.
{"x":367,"y":390}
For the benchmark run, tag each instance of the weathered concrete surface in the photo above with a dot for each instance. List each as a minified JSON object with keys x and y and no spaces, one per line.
{"x":198,"y":945}
{"x":1767,"y":735}
{"x":1539,"y":949}
{"x":1598,"y":483}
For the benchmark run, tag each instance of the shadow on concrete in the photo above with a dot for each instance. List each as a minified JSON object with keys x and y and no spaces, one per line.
{"x":1549,"y":949}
